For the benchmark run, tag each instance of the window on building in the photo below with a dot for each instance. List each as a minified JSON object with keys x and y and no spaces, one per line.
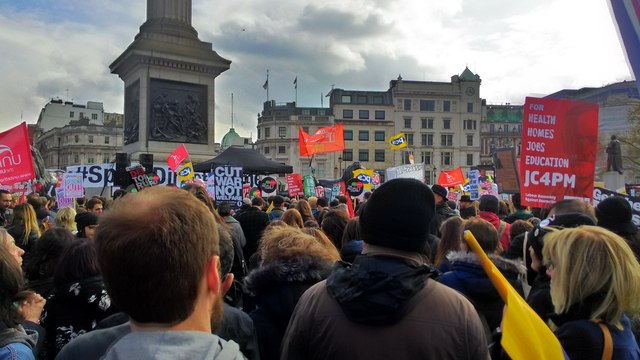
{"x":347,"y":114}
{"x":346,"y":99}
{"x":446,"y":140}
{"x":410,"y":139}
{"x":81,"y":115}
{"x":106,"y":140}
{"x":469,"y":159}
{"x":405,"y":157}
{"x":446,"y":106}
{"x":282,"y":149}
{"x":426,"y":157}
{"x":407,"y":123}
{"x":407,"y":104}
{"x":347,"y":155}
{"x":94,"y":116}
{"x":379,"y":114}
{"x":362,"y":99}
{"x":469,"y":107}
{"x":321,"y":112}
{"x":266,"y":150}
{"x":363,"y":135}
{"x":348,"y":134}
{"x":492,"y":128}
{"x":427,"y":105}
{"x":267,"y":133}
{"x":363,"y":114}
{"x":469,"y":124}
{"x":76,"y":138}
{"x":446,"y":158}
{"x":282,"y":131}
{"x":380,"y":135}
{"x":379,"y":155}
{"x":469,"y":139}
{"x":106,"y":158}
{"x":429,"y":177}
{"x":259,"y":133}
{"x":76,"y":158}
{"x":305,"y":129}
{"x":71,"y":114}
{"x":306,"y":112}
{"x":377,"y":100}
{"x":90,"y":159}
{"x":90,"y":139}
{"x":426,"y":139}
{"x":363,"y":155}
{"x":446,"y":123}
{"x":427,"y":123}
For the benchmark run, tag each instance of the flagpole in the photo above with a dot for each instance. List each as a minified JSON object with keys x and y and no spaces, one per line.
{"x":267,"y":84}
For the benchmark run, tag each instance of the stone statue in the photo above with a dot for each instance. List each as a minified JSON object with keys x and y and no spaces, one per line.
{"x":614,"y":155}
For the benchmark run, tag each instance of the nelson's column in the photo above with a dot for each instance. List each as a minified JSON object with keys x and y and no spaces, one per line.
{"x":169,"y":80}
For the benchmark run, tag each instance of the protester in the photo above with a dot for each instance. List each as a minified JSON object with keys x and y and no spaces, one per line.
{"x":467,"y":207}
{"x":351,"y":241}
{"x":293,"y":218}
{"x":47,"y":252}
{"x":87,"y":223}
{"x":469,"y":278}
{"x":6,"y":213}
{"x":44,"y":220}
{"x":305,"y":210}
{"x":66,"y":218}
{"x":277,"y":211}
{"x":292,"y":261}
{"x":322,"y":205}
{"x":95,"y":206}
{"x":79,"y":301}
{"x":520,"y":213}
{"x":504,"y":210}
{"x":614,"y":214}
{"x":489,"y":208}
{"x":140,"y":262}
{"x":595,"y":280}
{"x":386,"y":296}
{"x":313,"y":203}
{"x":253,"y":221}
{"x":320,"y":237}
{"x":443,"y":211}
{"x":333,"y":224}
{"x":519,"y":228}
{"x":239,"y":267}
{"x":24,"y":228}
{"x":450,"y":241}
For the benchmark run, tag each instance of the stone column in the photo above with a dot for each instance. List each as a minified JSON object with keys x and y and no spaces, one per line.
{"x":177,"y":10}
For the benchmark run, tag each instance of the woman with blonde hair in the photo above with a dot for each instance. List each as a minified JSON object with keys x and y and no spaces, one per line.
{"x":595,"y":282}
{"x":291,"y":262}
{"x":65,"y":218}
{"x":293,"y":218}
{"x":24,"y":228}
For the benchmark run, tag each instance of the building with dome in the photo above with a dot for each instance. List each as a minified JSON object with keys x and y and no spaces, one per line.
{"x":232,"y":138}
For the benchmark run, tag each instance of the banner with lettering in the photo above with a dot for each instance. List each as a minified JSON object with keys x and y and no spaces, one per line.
{"x":294,"y":185}
{"x":600,"y":194}
{"x":366,"y":176}
{"x":73,"y":186}
{"x":62,"y":199}
{"x":451,"y":178}
{"x":228,"y":185}
{"x":559,"y":144}
{"x":474,"y":184}
{"x":406,"y":171}
{"x":16,"y":163}
{"x":140,"y":179}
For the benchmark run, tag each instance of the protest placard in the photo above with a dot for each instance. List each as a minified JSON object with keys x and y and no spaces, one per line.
{"x":73,"y":185}
{"x":507,"y":177}
{"x":415,"y":171}
{"x":600,"y":194}
{"x":228,"y":185}
{"x":294,"y":185}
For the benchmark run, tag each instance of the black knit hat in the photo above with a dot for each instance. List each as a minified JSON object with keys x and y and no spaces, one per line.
{"x":614,"y":213}
{"x":437,"y":189}
{"x":398,"y":215}
{"x":489,"y":203}
{"x":85,"y":219}
{"x":465,"y":198}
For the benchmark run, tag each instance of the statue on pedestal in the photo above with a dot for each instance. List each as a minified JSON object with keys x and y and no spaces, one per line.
{"x":614,"y":155}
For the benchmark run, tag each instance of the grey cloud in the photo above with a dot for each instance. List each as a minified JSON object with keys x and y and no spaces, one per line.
{"x":341,"y":25}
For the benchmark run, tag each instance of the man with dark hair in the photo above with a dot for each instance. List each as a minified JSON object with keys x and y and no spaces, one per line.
{"x":467,"y":207}
{"x":521,"y":212}
{"x":489,"y":208}
{"x":387,"y":305}
{"x":5,"y":208}
{"x":277,"y":211}
{"x":443,"y":211}
{"x":322,"y":205}
{"x":140,"y":259}
{"x":95,"y":206}
{"x":253,"y":222}
{"x":87,"y":224}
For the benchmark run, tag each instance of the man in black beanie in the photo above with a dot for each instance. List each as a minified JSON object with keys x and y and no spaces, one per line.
{"x":614,"y":214}
{"x":387,"y":296}
{"x":489,"y":207}
{"x":87,"y":223}
{"x":443,"y":211}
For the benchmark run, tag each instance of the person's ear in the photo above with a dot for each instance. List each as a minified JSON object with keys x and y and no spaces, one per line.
{"x":227,"y":281}
{"x":213,"y":274}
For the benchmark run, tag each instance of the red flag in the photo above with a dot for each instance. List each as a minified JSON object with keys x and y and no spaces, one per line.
{"x":294,"y":184}
{"x":16,"y":163}
{"x":343,"y":191}
{"x":451,"y":178}
{"x":177,"y":157}
{"x":326,"y":139}
{"x":559,"y":145}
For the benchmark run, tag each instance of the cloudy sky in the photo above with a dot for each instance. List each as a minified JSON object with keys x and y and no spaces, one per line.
{"x":519,"y":48}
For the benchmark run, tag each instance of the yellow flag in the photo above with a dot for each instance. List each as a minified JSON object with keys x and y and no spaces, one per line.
{"x":185,"y":172}
{"x":524,"y":334}
{"x":366,"y":176}
{"x":398,"y":141}
{"x":270,"y":207}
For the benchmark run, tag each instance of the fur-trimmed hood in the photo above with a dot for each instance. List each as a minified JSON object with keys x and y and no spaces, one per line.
{"x":503,"y":264}
{"x":301,"y":269}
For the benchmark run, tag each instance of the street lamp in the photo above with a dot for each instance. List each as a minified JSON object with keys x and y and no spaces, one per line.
{"x":434,"y":176}
{"x":340,"y":161}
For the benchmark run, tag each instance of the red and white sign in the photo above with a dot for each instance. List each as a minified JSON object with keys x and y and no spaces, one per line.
{"x":451,"y":178}
{"x":559,"y":144}
{"x":73,"y":185}
{"x":177,"y":157}
{"x":16,"y":163}
{"x":294,"y":184}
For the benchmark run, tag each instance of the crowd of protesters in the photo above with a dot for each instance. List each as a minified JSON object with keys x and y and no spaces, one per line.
{"x":167,"y":273}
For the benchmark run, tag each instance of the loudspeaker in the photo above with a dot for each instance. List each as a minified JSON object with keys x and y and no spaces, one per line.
{"x":121,"y":177}
{"x":146,"y":160}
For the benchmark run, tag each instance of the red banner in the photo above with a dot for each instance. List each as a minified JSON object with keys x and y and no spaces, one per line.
{"x":16,"y":163}
{"x":559,"y":144}
{"x":326,"y":139}
{"x":451,"y":178}
{"x":177,"y":157}
{"x":294,"y":184}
